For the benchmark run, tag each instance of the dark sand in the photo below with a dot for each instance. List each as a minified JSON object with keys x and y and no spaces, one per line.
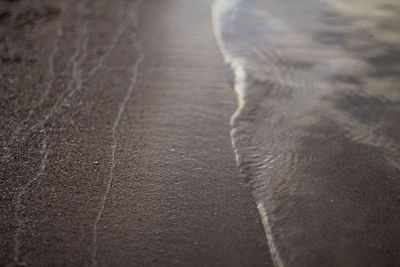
{"x":318,"y":133}
{"x":107,"y":161}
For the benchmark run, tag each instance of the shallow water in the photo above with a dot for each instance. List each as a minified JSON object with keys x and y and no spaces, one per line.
{"x":317,"y":129}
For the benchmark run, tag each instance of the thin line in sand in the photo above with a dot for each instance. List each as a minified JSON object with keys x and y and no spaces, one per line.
{"x":19,"y":206}
{"x":114,"y":146}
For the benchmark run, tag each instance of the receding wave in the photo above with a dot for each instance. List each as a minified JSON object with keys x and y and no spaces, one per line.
{"x":316,"y":131}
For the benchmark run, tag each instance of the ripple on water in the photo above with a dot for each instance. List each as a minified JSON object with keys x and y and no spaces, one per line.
{"x":316,"y":132}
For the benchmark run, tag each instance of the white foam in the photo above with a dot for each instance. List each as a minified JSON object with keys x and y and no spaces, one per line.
{"x":222,"y":8}
{"x":222,"y":12}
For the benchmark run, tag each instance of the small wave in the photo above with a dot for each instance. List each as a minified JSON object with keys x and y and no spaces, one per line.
{"x":316,"y":127}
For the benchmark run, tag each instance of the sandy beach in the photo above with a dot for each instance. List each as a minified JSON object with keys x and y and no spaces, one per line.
{"x":199,"y":133}
{"x":115,"y":139}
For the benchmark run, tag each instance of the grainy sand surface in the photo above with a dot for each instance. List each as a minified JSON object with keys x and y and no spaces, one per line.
{"x":115,"y":147}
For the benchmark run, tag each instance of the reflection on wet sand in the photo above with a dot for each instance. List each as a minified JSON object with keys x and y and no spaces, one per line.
{"x":318,"y":133}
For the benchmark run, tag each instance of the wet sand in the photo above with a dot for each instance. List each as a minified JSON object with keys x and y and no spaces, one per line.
{"x":317,"y":132}
{"x":115,"y":139}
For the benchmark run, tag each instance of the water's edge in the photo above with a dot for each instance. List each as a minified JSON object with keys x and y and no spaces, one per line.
{"x":236,"y":67}
{"x":315,"y":132}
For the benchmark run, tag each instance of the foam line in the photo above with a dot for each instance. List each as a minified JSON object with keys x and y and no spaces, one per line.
{"x":220,"y":9}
